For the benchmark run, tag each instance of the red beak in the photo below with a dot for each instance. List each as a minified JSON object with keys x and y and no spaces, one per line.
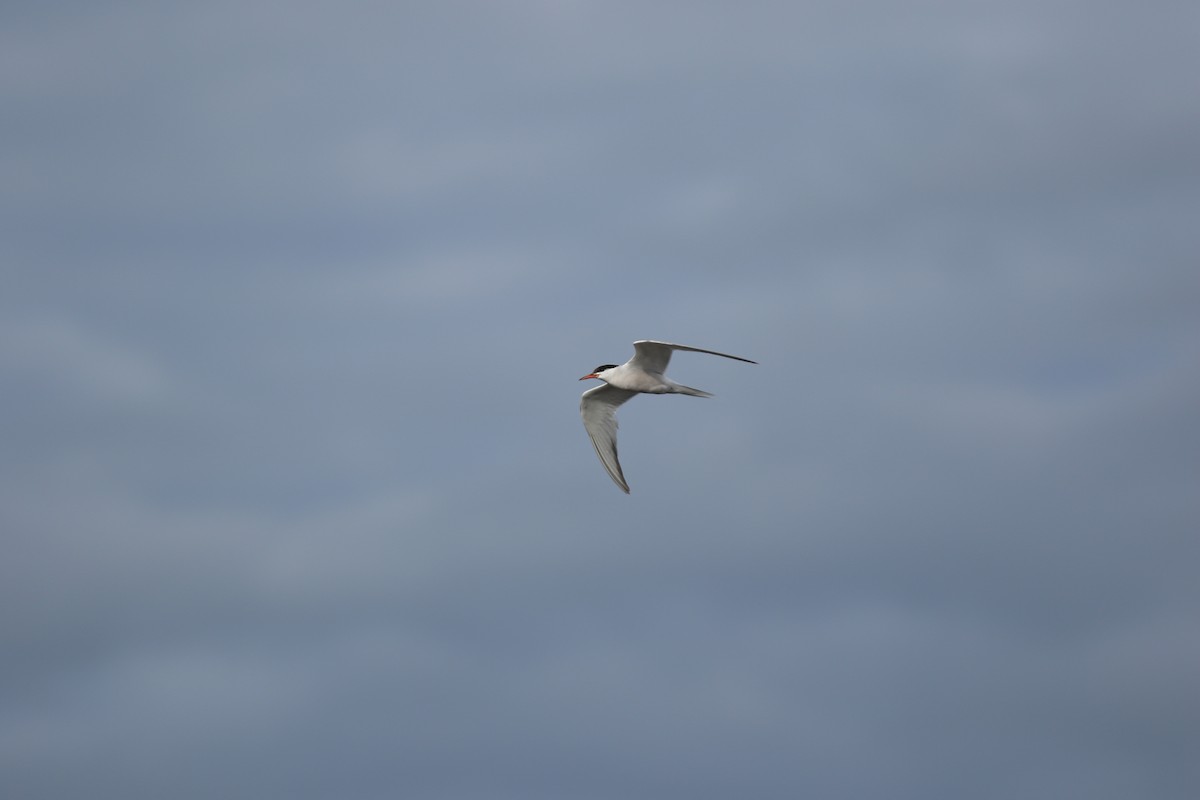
{"x":585,"y":377}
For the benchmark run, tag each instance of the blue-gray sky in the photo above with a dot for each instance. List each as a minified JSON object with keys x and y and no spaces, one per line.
{"x":294,"y":494}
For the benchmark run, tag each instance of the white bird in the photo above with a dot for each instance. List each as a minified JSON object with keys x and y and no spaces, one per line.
{"x":642,"y":374}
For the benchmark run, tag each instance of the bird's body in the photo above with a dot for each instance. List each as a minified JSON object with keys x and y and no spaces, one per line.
{"x":633,"y":379}
{"x":642,"y":374}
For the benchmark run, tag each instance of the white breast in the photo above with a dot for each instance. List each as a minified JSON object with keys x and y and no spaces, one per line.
{"x":635,"y":380}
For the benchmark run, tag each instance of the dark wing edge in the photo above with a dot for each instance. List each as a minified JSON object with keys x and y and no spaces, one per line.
{"x":649,"y":350}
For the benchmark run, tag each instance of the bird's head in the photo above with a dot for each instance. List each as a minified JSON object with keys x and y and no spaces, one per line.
{"x":598,"y":372}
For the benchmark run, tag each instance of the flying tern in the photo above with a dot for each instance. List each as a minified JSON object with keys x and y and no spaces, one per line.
{"x":642,"y":374}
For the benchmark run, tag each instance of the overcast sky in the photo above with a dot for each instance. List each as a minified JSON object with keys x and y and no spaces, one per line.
{"x":295,"y":499}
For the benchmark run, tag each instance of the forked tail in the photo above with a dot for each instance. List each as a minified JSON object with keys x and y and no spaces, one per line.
{"x":680,"y":389}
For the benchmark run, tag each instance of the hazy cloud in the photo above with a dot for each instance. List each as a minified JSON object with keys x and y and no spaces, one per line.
{"x":294,"y":495}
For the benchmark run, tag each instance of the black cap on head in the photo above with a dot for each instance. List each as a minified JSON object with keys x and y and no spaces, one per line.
{"x":603,"y":367}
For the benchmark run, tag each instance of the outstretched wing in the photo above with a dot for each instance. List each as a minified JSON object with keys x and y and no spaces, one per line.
{"x":598,"y":407}
{"x":654,"y":356}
